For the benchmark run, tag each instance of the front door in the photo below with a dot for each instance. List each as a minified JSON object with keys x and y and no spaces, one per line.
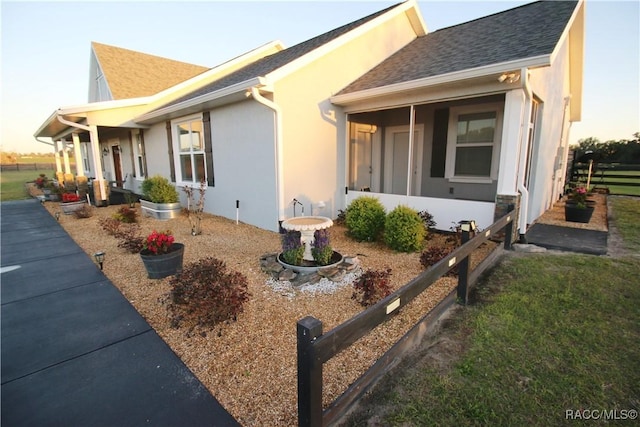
{"x":397,"y":160}
{"x":117,"y":166}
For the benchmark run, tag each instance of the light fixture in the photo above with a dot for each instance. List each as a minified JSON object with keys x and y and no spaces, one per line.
{"x":99,"y":256}
{"x":468,"y":225}
{"x":509,"y":77}
{"x":105,"y":151}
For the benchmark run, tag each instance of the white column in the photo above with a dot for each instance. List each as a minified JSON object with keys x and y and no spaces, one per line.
{"x":512,"y":129}
{"x":65,"y":156}
{"x":78,"y":154}
{"x":56,"y":154}
{"x":100,"y":194}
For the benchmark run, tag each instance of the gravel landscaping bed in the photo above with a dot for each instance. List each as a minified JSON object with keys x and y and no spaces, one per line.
{"x":250,"y":365}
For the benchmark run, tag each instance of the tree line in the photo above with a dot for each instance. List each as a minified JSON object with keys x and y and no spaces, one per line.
{"x":622,"y":151}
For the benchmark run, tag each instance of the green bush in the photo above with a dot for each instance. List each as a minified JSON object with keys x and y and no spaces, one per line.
{"x":158,"y":189}
{"x":365,"y":218}
{"x":404,"y":229}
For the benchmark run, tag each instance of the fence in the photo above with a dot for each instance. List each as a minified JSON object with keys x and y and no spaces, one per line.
{"x":607,"y":175}
{"x":15,"y":167}
{"x":316,"y":348}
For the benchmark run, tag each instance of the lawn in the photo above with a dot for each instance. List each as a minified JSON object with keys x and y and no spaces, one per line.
{"x":550,"y":334}
{"x":12,"y":183}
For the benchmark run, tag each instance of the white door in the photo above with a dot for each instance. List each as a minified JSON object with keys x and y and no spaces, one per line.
{"x":397,"y":160}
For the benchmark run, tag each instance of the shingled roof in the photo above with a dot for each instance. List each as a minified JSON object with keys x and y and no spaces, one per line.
{"x":523,"y":32}
{"x":132,"y":74}
{"x":271,"y":63}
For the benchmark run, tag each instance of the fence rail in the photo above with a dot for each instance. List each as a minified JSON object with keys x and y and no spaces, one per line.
{"x":16,"y":167}
{"x":607,"y":174}
{"x":316,"y":348}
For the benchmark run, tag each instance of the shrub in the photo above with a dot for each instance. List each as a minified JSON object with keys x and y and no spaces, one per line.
{"x":427,"y":219}
{"x":158,"y":189}
{"x":126,"y":215}
{"x":404,"y":229}
{"x":434,"y":254}
{"x":292,"y":248}
{"x":365,"y":218}
{"x":372,"y":286}
{"x":110,"y":225}
{"x":322,"y":251}
{"x":130,"y":238}
{"x":205,"y":294}
{"x":85,"y":211}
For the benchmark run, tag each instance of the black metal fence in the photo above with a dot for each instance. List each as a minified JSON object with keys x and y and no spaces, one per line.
{"x":316,"y":348}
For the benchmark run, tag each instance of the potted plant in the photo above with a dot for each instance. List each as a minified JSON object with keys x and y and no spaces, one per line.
{"x":577,"y":208}
{"x":71,"y":202}
{"x":161,"y":256}
{"x":160,"y":198}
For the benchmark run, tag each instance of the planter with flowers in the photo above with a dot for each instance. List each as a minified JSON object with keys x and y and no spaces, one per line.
{"x":71,"y":202}
{"x":161,"y":256}
{"x":577,"y":207}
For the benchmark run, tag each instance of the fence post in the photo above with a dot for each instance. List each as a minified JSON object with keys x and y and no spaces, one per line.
{"x":309,"y":374}
{"x":467,"y":227}
{"x":508,"y":230}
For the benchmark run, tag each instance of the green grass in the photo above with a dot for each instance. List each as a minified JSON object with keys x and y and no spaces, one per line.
{"x":550,"y":333}
{"x":626,"y":213}
{"x":12,"y":184}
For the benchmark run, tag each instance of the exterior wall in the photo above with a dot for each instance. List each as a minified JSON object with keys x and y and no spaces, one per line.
{"x":445,"y":211}
{"x":314,"y":130}
{"x":243,"y":163}
{"x":551,"y":85}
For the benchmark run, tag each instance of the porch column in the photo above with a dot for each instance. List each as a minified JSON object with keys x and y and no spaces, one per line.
{"x":65,"y":157}
{"x":56,"y":154}
{"x":99,"y":184}
{"x":512,"y":128}
{"x":77,"y":154}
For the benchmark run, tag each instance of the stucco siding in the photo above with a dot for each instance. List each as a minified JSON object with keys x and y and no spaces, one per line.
{"x":551,"y":86}
{"x":314,"y":129}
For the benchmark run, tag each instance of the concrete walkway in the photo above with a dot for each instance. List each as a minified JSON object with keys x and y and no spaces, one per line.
{"x":568,"y":239}
{"x":74,"y":350}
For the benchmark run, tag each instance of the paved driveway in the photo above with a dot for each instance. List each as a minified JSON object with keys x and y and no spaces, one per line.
{"x":74,"y":350}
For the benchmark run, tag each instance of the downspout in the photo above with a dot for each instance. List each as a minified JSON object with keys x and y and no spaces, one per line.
{"x":97,"y":160}
{"x":524,"y":143}
{"x":279,"y":160}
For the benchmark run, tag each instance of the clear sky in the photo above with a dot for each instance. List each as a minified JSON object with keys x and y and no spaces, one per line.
{"x":45,"y":49}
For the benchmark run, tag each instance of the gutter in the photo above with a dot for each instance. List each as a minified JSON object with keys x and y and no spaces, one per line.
{"x":524,"y":143}
{"x":279,"y":160}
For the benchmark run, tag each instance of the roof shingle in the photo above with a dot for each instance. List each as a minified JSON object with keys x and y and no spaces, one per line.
{"x":132,"y":74}
{"x":523,"y":32}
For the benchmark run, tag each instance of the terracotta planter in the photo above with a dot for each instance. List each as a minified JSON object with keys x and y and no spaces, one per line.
{"x":70,"y":207}
{"x":573,"y":213}
{"x":160,"y":266}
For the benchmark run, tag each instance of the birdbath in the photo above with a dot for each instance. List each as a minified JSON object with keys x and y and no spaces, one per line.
{"x":307,"y":226}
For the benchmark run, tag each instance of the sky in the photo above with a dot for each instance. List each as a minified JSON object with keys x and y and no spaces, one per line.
{"x":45,"y":49}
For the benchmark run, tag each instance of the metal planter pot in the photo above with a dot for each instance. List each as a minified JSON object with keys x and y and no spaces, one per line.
{"x":162,"y":211}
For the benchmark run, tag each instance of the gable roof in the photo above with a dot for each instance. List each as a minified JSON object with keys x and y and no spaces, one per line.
{"x":276,"y":61}
{"x":528,"y":31}
{"x":132,"y":74}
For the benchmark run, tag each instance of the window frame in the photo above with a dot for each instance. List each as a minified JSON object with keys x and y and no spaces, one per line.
{"x":138,"y":155}
{"x":452,"y":142}
{"x":178,"y":154}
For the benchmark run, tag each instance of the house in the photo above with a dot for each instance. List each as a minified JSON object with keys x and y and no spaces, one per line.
{"x":461,"y":122}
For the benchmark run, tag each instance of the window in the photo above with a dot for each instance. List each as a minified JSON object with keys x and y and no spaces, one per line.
{"x":138,"y":154}
{"x":191,"y":167}
{"x":473,"y":142}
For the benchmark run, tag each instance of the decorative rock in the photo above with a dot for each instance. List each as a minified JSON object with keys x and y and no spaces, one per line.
{"x":527,"y":248}
{"x":305,"y":279}
{"x":271,"y":266}
{"x":287,"y":274}
{"x":350,"y":263}
{"x":338,"y":276}
{"x":327,"y":271}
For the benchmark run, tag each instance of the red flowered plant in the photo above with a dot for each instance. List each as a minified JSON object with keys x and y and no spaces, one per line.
{"x":70,"y":197}
{"x":158,"y":242}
